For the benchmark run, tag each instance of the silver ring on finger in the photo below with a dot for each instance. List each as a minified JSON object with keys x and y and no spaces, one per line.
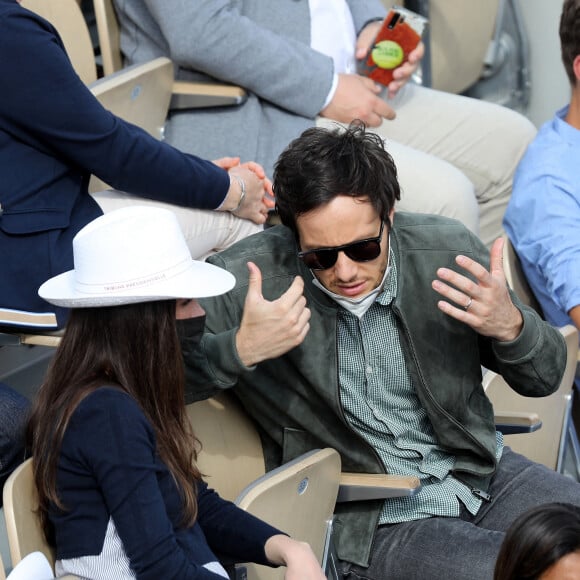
{"x":466,"y":307}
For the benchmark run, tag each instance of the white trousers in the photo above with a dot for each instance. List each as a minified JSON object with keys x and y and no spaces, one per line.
{"x":455,"y":155}
{"x":205,"y":231}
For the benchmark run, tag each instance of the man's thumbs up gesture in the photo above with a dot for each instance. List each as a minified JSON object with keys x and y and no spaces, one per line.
{"x":270,"y":329}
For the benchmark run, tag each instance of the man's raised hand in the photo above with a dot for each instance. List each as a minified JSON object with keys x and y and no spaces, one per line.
{"x":271,"y":328}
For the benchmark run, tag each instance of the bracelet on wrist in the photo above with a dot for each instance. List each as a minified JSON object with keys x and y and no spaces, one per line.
{"x":242,"y":185}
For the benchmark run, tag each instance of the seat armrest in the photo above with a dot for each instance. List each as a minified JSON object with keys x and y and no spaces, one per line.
{"x":367,"y":486}
{"x":513,"y":422}
{"x":18,"y":337}
{"x":33,"y":321}
{"x":195,"y":95}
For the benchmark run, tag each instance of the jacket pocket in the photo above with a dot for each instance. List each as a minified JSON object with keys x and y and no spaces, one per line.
{"x":297,"y":442}
{"x":30,"y":221}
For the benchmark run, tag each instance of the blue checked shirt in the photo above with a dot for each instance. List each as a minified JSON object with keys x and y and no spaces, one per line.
{"x":381,"y":404}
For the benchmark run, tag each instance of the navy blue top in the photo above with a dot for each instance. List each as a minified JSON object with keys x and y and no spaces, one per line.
{"x":108,"y":467}
{"x":53,"y":135}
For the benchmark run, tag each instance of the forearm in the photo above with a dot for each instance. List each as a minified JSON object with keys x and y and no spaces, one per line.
{"x":233,"y":531}
{"x":134,"y":162}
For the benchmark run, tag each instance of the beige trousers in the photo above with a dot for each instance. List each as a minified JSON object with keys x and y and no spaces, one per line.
{"x":205,"y":231}
{"x":455,"y":156}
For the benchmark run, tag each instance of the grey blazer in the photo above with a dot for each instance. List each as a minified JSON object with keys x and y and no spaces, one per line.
{"x":262,"y":45}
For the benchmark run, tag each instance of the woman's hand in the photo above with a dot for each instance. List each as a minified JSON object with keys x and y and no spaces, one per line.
{"x":250,"y":194}
{"x":298,"y":557}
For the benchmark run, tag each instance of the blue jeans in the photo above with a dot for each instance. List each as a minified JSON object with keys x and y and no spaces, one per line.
{"x":14,"y":410}
{"x":464,"y":548}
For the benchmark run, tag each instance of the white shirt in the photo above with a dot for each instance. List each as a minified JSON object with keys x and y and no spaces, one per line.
{"x":332,"y":33}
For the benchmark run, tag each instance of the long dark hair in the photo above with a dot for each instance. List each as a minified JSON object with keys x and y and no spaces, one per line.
{"x":537,"y":540}
{"x":135,"y":348}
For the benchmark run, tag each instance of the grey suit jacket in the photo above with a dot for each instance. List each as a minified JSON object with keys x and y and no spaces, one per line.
{"x":262,"y":45}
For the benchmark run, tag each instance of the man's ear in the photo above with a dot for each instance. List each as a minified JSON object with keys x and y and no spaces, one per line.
{"x":576,"y":66}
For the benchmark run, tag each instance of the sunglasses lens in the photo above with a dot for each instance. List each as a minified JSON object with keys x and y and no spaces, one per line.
{"x":320,"y":259}
{"x":364,"y":251}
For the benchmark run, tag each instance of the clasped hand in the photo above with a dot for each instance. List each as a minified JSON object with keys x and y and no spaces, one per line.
{"x":259,"y":196}
{"x":484,"y":304}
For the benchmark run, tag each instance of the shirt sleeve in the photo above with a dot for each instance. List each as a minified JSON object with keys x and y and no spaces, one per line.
{"x":551,"y":244}
{"x":50,"y":108}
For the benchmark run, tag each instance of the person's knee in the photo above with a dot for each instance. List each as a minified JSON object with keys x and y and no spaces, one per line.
{"x":439,"y":188}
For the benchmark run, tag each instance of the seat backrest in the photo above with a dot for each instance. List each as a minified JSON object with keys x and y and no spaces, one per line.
{"x":231,"y":456}
{"x":299,"y":499}
{"x":460,"y":35}
{"x":67,"y":18}
{"x":545,"y":445}
{"x":515,"y":276}
{"x":109,"y":35}
{"x":25,"y":534}
{"x":139,"y":94}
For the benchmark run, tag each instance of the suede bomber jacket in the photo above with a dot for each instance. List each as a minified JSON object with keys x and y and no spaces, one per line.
{"x":295,"y":399}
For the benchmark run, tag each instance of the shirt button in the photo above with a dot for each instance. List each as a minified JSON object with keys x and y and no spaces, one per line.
{"x":369,"y":370}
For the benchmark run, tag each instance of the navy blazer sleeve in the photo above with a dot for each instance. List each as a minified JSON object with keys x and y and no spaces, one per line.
{"x":43,"y":103}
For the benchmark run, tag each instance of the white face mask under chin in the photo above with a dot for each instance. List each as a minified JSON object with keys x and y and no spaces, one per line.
{"x":356,"y":306}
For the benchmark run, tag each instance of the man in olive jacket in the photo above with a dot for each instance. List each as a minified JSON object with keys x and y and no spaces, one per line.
{"x":355,"y":328}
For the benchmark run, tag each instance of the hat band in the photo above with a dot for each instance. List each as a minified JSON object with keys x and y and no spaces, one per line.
{"x":133,"y":283}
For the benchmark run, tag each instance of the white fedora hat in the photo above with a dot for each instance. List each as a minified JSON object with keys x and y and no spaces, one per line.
{"x":134,"y":254}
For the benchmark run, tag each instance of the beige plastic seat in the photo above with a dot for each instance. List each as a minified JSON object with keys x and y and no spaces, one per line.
{"x":67,"y":18}
{"x":547,"y":445}
{"x":516,"y":279}
{"x":186,"y":95}
{"x":460,"y":33}
{"x":515,"y":276}
{"x":25,"y":534}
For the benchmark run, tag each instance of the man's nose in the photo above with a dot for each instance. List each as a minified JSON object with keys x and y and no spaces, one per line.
{"x":345,"y":269}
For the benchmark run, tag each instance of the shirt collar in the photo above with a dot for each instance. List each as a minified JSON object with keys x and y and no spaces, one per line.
{"x":568,"y":133}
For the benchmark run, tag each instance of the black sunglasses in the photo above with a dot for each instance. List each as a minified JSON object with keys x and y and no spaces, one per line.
{"x":361,"y":251}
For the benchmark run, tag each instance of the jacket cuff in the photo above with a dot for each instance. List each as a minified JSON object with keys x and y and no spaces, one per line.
{"x":224,"y":361}
{"x":524,"y":345}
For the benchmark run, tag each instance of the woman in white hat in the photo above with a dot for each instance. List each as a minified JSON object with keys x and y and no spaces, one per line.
{"x":114,"y":454}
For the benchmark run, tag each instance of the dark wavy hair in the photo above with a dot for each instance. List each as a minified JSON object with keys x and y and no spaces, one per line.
{"x":570,"y":36}
{"x":324,"y":163}
{"x":134,"y":347}
{"x":536,"y":540}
